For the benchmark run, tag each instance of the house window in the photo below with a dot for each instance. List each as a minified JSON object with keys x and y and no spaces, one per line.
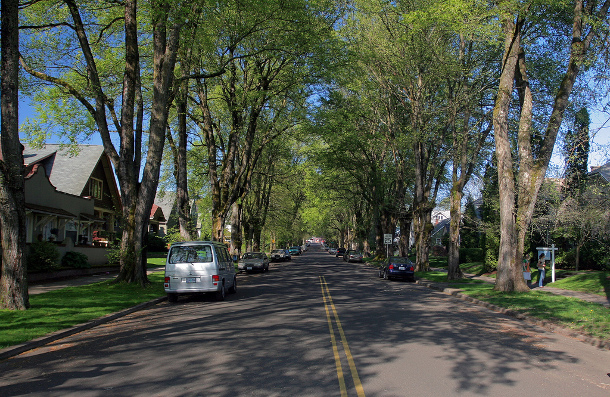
{"x":95,"y":188}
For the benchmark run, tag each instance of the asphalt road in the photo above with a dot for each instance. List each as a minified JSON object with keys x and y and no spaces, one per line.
{"x":315,"y":326}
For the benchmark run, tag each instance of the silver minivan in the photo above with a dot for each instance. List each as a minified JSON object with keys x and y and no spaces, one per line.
{"x":199,"y":267}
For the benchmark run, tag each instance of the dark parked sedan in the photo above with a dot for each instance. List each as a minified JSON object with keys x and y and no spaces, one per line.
{"x":397,"y":267}
{"x":280,"y":255}
{"x":352,"y":256}
{"x":253,"y":261}
{"x":340,"y":252}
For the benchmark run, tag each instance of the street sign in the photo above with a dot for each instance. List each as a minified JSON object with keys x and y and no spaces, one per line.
{"x":387,"y":239}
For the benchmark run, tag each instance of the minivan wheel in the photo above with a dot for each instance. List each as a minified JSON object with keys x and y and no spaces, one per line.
{"x":233,"y":288}
{"x":220,"y":295}
{"x":172,"y":298}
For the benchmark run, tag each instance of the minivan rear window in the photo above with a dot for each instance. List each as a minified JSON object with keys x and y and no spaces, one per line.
{"x":191,"y":253}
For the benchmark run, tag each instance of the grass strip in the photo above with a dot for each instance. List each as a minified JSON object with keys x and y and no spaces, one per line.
{"x":591,"y":282}
{"x":586,"y":317}
{"x":56,"y":310}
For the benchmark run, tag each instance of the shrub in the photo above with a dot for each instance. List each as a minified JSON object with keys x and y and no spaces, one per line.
{"x":76,"y":260}
{"x":156,"y":243}
{"x":43,"y":255}
{"x":113,"y":253}
{"x":439,"y":250}
{"x":468,"y":255}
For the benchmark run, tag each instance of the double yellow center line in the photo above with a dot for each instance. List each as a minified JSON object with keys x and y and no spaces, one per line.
{"x":330,"y":306}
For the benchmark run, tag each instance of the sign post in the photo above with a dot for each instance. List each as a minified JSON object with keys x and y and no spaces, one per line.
{"x":387,"y":240}
{"x":549,"y":252}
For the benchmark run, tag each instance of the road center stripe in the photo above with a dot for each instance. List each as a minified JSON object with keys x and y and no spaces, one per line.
{"x":329,"y":305}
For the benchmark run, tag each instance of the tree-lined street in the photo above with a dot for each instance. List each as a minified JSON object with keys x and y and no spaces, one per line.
{"x":273,"y":339}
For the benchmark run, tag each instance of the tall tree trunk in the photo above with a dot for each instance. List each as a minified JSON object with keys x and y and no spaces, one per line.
{"x":453,"y":263}
{"x":13,"y":279}
{"x":515,"y":218}
{"x":182,"y":195}
{"x":422,"y":228}
{"x":236,"y":236}
{"x":405,"y":233}
{"x":508,"y":266}
{"x":256,"y":238}
{"x":165,"y":48}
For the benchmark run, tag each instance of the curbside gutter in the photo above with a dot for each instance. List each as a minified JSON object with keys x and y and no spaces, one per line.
{"x":597,"y":342}
{"x":12,"y":351}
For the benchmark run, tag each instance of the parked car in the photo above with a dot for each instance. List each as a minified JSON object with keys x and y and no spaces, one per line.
{"x":340,"y":252}
{"x":397,"y":267}
{"x":199,"y":267}
{"x":296,"y":250}
{"x":352,"y":256}
{"x":332,"y":251}
{"x":253,"y":261}
{"x":280,"y":255}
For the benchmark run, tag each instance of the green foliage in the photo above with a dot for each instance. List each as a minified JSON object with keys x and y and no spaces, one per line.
{"x":43,"y":255}
{"x":75,"y":259}
{"x":173,"y":235}
{"x":490,"y":216}
{"x":594,"y":255}
{"x":156,"y":243}
{"x":472,"y":255}
{"x":113,"y":252}
{"x":470,"y":230}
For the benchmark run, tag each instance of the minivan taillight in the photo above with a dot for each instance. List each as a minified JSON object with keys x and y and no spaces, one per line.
{"x":166,"y":282}
{"x":215,"y":279}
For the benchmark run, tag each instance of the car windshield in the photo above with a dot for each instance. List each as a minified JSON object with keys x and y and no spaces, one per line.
{"x":398,"y":259}
{"x":191,"y":253}
{"x":253,"y":255}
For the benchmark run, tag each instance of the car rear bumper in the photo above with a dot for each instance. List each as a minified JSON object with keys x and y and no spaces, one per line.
{"x":401,"y":275}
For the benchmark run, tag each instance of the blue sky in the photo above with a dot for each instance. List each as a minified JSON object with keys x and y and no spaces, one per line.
{"x":599,"y":130}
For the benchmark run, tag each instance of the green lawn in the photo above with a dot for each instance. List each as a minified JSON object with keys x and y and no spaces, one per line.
{"x":590,"y":318}
{"x":56,"y":310}
{"x":591,"y":282}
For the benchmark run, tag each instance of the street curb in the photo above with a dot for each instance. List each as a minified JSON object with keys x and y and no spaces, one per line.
{"x":12,"y":351}
{"x":596,"y":342}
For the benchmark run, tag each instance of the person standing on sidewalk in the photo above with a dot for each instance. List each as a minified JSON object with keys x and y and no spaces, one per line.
{"x":541,"y":269}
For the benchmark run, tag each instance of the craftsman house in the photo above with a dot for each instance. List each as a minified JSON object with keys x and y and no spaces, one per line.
{"x":71,"y":198}
{"x":166,"y":201}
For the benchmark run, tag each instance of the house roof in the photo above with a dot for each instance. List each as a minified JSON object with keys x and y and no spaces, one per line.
{"x":49,"y":210}
{"x":156,"y":213}
{"x":440,"y":226}
{"x":68,"y":172}
{"x":166,"y":201}
{"x":603,"y":171}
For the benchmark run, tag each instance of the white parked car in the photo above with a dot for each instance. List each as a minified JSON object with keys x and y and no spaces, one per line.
{"x":199,"y":267}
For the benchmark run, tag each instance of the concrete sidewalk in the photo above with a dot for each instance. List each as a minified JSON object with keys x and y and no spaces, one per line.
{"x":46,"y":286}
